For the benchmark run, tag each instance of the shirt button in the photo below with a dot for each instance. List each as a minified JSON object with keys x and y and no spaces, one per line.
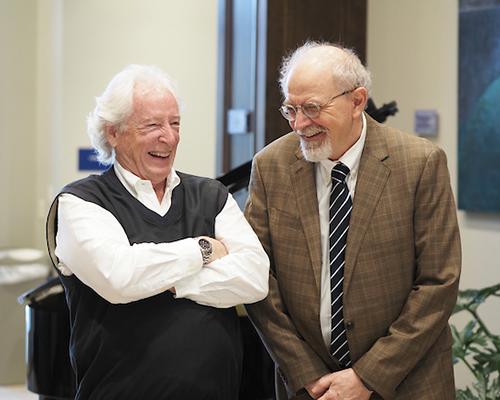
{"x":349,"y":324}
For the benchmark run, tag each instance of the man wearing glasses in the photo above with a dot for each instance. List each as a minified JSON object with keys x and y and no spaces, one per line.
{"x":359,"y":222}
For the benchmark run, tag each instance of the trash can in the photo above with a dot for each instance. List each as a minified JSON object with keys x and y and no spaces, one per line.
{"x":20,"y":269}
{"x":48,"y":368}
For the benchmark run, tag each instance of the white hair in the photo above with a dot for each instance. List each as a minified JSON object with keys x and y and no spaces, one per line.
{"x":347,"y":70}
{"x":115,"y":105}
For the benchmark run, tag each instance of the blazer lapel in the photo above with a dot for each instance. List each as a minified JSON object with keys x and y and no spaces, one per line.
{"x":372,"y":178}
{"x":304,"y":186}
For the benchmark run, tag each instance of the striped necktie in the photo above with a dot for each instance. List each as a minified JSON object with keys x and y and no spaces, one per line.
{"x":340,"y":213}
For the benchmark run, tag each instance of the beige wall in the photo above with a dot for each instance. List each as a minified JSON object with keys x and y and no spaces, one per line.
{"x":17,"y":125}
{"x":17,"y":166}
{"x":413,"y":53}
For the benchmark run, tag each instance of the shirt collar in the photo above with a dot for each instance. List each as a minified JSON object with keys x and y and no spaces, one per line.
{"x":350,"y":158}
{"x":132,"y":182}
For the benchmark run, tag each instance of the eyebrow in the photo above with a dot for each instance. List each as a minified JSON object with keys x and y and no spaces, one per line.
{"x":287,"y":102}
{"x":146,"y":121}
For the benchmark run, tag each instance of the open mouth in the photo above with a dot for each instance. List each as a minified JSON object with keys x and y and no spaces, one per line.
{"x":310,"y":133}
{"x":159,"y":154}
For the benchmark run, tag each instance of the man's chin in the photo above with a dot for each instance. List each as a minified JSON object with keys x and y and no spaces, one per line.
{"x":316,"y":153}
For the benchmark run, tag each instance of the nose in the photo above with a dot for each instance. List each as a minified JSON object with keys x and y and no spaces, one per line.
{"x":301,"y":121}
{"x":169,"y":135}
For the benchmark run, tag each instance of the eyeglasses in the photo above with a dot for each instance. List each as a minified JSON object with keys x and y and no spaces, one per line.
{"x":310,"y":110}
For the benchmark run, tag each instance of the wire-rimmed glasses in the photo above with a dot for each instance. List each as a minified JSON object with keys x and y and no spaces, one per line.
{"x":310,"y":110}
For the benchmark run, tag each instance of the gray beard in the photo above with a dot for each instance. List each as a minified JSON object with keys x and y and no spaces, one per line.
{"x":315,"y":153}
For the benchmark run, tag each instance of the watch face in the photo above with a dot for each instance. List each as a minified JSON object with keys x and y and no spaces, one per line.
{"x":206,"y":250}
{"x":205,"y":245}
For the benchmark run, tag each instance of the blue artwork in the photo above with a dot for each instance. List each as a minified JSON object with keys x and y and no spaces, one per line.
{"x":479,"y":106}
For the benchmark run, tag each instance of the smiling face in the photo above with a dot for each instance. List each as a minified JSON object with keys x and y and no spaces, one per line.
{"x":147,"y":145}
{"x":338,"y":126}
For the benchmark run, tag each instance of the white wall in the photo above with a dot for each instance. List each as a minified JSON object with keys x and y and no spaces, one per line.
{"x":413,"y":53}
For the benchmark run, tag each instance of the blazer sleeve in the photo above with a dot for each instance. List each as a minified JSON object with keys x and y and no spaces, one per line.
{"x":425,"y":314}
{"x":298,"y":364}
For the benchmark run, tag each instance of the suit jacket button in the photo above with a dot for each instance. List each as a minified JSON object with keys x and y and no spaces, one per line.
{"x":349,"y":324}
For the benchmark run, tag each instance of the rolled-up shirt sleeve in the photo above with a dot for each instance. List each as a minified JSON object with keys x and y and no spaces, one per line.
{"x":240,"y":277}
{"x":91,"y":244}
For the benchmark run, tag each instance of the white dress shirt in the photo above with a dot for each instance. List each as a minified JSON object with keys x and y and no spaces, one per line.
{"x":323,"y":187}
{"x":91,"y":244}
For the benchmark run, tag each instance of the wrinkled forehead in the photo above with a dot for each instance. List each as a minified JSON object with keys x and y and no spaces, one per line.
{"x":308,"y":82}
{"x":154,"y":101}
{"x":313,"y":73}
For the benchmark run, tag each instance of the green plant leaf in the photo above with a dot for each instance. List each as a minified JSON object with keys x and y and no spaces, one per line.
{"x":477,"y":347}
{"x":465,"y":394}
{"x":467,"y":333}
{"x":470,"y":299}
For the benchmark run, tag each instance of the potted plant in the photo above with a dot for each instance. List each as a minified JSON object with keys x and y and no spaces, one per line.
{"x":477,"y":347}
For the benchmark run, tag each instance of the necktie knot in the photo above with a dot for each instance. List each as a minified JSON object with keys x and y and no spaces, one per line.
{"x":339,"y":173}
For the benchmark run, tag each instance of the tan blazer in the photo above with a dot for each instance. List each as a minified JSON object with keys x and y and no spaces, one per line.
{"x":402,"y":266}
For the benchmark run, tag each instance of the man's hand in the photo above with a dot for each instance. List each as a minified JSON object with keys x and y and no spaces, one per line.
{"x":218,"y":248}
{"x":318,"y":387}
{"x":342,"y":385}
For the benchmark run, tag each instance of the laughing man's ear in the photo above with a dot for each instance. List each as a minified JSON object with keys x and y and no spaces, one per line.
{"x":111,"y":133}
{"x":359,"y":99}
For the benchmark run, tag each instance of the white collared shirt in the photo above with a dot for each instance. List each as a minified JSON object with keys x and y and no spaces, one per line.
{"x":143,"y":190}
{"x":323,"y":169}
{"x":91,"y":244}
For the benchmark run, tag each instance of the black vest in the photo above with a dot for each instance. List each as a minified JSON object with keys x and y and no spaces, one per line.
{"x":159,"y":347}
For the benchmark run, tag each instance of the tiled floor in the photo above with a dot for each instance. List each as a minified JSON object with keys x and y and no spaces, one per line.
{"x":16,"y":393}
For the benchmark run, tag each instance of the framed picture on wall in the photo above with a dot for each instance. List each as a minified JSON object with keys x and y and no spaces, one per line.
{"x":479,"y":106}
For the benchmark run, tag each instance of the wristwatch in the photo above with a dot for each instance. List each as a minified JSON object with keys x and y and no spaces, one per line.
{"x":206,"y":250}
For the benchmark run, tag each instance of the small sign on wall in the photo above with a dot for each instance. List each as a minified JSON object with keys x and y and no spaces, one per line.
{"x":87,"y":160}
{"x":238,"y":121}
{"x":426,"y":122}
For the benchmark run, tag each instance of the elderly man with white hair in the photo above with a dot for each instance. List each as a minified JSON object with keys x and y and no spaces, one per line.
{"x":360,"y":224}
{"x":152,"y":260}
